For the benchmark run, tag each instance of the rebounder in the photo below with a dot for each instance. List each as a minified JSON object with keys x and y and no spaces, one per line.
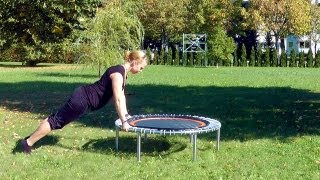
{"x":172,"y":124}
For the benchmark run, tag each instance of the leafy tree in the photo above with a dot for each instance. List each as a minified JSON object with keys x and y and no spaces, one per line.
{"x":115,"y":29}
{"x":221,"y":46}
{"x":33,"y":26}
{"x":280,"y":17}
{"x":315,"y":24}
{"x":163,"y":19}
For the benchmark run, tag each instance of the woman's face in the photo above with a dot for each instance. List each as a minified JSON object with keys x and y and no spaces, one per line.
{"x":137,"y":67}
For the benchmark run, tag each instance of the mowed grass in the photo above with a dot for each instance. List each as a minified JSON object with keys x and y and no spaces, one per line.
{"x":269,"y":116}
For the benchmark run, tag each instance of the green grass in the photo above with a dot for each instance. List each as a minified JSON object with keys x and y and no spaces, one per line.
{"x":270,"y":124}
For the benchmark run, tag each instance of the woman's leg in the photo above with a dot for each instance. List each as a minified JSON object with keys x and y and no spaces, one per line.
{"x":42,"y":130}
{"x":73,"y":109}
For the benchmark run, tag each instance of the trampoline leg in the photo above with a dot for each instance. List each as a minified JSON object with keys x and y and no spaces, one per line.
{"x":218,"y":139}
{"x":145,"y":136}
{"x":194,"y":139}
{"x":117,"y":138}
{"x":138,"y":146}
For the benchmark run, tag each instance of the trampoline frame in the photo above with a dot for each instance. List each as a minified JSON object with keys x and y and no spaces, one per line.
{"x":212,"y":125}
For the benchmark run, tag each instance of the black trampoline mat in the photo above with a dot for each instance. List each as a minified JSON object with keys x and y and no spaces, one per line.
{"x":167,"y":123}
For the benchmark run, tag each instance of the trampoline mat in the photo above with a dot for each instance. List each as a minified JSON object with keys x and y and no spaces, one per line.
{"x":167,"y":123}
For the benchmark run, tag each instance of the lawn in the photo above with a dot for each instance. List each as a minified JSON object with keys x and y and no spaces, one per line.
{"x":270,"y":124}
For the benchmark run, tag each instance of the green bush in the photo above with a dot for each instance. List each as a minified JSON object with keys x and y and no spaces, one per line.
{"x":283,"y":59}
{"x":259,"y":56}
{"x":293,"y":58}
{"x":252,"y":57}
{"x":317,"y":59}
{"x":169,"y":57}
{"x":243,"y":58}
{"x":177,"y":57}
{"x":274,"y":58}
{"x":301,"y":59}
{"x":309,"y":58}
{"x":267,"y":57}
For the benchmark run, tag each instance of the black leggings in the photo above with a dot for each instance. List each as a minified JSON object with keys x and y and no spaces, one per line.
{"x":76,"y":106}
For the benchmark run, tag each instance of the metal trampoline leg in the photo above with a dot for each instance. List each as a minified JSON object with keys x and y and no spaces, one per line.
{"x":194,"y":139}
{"x":218,"y":139}
{"x":139,"y":146}
{"x":117,"y":138}
{"x":145,"y":136}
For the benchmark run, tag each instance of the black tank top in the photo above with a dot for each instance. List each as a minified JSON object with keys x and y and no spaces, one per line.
{"x":100,"y":92}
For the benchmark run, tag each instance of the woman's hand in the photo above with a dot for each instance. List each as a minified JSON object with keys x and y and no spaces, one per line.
{"x":125,"y":126}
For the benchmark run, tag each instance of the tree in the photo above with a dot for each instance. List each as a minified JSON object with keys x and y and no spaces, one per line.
{"x":243,"y":58}
{"x":221,"y":46}
{"x":163,"y":19}
{"x":280,"y":17}
{"x":115,"y":29}
{"x":34,"y":26}
{"x":315,"y":25}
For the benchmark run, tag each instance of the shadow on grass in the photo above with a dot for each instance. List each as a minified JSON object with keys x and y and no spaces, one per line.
{"x":150,"y":146}
{"x":245,"y":113}
{"x":58,"y":75}
{"x":46,"y":141}
{"x":20,"y":65}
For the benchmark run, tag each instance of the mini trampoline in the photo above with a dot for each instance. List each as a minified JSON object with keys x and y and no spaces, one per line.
{"x":172,"y":124}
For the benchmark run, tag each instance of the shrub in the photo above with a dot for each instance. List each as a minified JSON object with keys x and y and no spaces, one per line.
{"x":267,"y":57}
{"x":301,"y":61}
{"x":310,"y":58}
{"x":252,"y":57}
{"x":317,"y":59}
{"x":283,"y":59}
{"x":293,"y":58}
{"x":259,"y":56}
{"x":243,"y":59}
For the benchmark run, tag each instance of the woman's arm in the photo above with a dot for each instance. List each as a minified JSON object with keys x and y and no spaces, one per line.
{"x":119,"y":98}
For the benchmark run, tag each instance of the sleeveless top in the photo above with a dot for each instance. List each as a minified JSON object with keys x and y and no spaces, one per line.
{"x":99,"y":93}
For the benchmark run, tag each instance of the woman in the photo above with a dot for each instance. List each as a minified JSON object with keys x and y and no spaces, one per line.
{"x":92,"y":97}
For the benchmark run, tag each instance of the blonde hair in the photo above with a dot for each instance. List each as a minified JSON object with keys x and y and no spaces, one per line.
{"x":136,"y":55}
